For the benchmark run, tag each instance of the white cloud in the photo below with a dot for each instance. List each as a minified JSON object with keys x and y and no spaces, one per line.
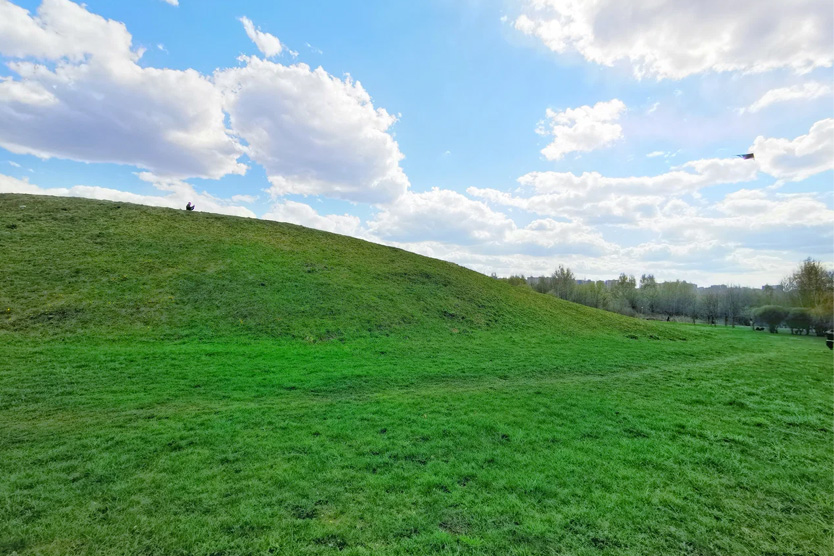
{"x":313,"y":48}
{"x":305,"y":215}
{"x":581,"y":129}
{"x":800,"y":158}
{"x":759,"y":209}
{"x":179,"y":193}
{"x":24,"y":93}
{"x":92,"y":102}
{"x":441,"y":216}
{"x":752,"y":219}
{"x":13,"y":163}
{"x":313,"y":133}
{"x":594,"y":198}
{"x":807,"y":91}
{"x":670,"y":39}
{"x":683,"y":234}
{"x":248,"y":199}
{"x":655,"y":153}
{"x":269,"y":45}
{"x":172,"y":2}
{"x":96,"y":104}
{"x":61,"y":29}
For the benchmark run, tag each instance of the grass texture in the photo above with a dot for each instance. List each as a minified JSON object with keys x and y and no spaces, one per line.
{"x":187,"y":383}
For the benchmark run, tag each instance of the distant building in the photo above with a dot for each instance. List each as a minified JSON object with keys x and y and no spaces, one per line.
{"x":715,"y":288}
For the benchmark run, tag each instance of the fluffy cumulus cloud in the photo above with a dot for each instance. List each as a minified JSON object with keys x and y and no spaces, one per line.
{"x":76,"y":90}
{"x":314,"y":134}
{"x":799,"y":158}
{"x":764,"y":209}
{"x":806,"y":91}
{"x":749,"y":236}
{"x":671,"y":39}
{"x":748,"y":224}
{"x":581,"y":129}
{"x":269,"y":45}
{"x":441,"y":216}
{"x":176,"y":194}
{"x":305,"y":215}
{"x":61,"y":29}
{"x":92,"y":102}
{"x":797,"y":223}
{"x":686,"y":229}
{"x":79,"y":93}
{"x":594,"y":198}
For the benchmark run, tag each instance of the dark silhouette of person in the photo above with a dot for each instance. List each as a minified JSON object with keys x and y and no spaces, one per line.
{"x":189,"y":206}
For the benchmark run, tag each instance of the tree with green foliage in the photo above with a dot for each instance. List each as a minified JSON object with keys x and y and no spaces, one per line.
{"x":811,"y":285}
{"x":593,"y":294}
{"x":772,"y":316}
{"x":516,"y":280}
{"x":771,"y":296}
{"x":823,"y":319}
{"x":648,"y":293}
{"x":562,"y":284}
{"x":541,"y":284}
{"x":625,"y":294}
{"x":676,"y":298}
{"x":799,"y":319}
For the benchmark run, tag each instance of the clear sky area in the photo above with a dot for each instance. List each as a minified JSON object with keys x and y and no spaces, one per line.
{"x":508,"y":136}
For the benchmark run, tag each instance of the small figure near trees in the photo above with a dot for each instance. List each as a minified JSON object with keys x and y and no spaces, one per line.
{"x":189,"y":206}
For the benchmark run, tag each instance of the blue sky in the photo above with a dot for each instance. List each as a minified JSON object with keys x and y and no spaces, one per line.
{"x":508,"y":136}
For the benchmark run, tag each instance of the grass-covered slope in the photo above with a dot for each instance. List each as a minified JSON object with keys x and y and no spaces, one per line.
{"x":175,"y":383}
{"x":74,"y":265}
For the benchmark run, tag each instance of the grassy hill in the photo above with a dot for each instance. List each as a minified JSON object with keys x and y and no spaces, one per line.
{"x":187,"y":383}
{"x":74,"y":265}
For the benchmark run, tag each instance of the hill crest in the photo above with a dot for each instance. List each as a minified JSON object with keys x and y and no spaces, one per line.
{"x":80,"y":266}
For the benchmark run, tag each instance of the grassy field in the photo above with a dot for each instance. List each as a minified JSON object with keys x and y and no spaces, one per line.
{"x":180,"y":383}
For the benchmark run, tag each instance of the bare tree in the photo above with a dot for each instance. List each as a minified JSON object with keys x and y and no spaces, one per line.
{"x":710,"y":307}
{"x":732,"y":305}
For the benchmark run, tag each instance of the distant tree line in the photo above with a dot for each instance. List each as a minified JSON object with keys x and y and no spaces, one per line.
{"x":803,"y":301}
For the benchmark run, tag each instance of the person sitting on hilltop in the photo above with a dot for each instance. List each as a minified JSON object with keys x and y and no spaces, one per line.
{"x":189,"y":206}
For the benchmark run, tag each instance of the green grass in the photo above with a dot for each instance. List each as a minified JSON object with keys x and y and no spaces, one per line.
{"x":365,"y":400}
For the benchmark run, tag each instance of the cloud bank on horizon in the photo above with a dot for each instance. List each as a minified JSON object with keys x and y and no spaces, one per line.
{"x":637,"y":110}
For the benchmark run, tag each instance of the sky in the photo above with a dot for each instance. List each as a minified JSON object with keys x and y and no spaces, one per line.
{"x":507,"y":136}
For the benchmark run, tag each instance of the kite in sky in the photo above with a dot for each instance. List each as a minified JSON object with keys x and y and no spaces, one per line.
{"x":747,"y":156}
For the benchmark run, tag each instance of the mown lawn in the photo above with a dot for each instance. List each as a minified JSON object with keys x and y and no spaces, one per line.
{"x":488,"y":442}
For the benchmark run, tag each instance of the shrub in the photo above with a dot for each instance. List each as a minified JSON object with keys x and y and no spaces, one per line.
{"x":822,"y":319}
{"x":799,"y":319}
{"x":772,"y":316}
